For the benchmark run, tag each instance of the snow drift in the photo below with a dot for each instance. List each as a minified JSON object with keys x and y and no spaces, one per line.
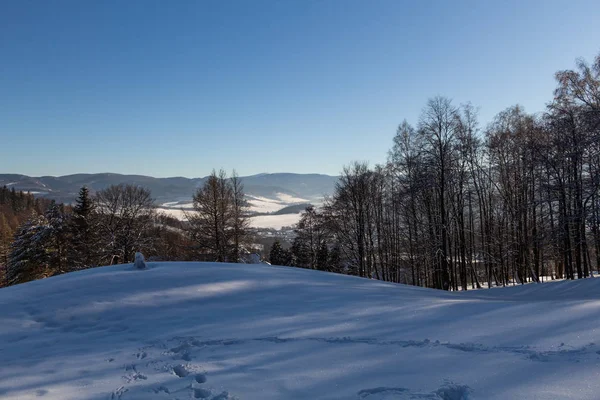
{"x":223,"y":331}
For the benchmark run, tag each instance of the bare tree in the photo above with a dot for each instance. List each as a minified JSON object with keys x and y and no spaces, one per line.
{"x":239,"y":216}
{"x":219,"y":223}
{"x":125,"y":215}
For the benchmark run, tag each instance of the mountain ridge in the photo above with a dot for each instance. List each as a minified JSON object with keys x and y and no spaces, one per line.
{"x":65,"y":187}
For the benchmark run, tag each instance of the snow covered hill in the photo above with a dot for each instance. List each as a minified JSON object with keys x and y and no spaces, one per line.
{"x":223,"y":331}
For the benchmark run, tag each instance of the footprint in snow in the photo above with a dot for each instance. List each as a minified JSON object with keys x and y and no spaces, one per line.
{"x":181,"y":371}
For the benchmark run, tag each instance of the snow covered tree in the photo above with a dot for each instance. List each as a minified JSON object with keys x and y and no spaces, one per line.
{"x":5,"y":239}
{"x":28,"y":259}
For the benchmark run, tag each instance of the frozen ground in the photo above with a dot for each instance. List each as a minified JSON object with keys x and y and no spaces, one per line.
{"x":222,"y":331}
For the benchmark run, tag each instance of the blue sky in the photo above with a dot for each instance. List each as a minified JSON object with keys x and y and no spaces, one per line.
{"x":179,"y":88}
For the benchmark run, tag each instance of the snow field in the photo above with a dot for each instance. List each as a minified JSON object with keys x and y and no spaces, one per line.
{"x":226,"y":331}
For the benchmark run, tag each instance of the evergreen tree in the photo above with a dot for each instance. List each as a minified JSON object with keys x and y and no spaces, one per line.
{"x":279,"y":255}
{"x":5,"y":239}
{"x":54,"y":238}
{"x":28,"y":259}
{"x":83,"y":228}
{"x":311,"y":238}
{"x":322,"y":262}
{"x":301,"y":254}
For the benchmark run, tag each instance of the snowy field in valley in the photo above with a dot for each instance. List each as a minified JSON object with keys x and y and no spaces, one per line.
{"x":256,"y":204}
{"x":259,"y":221}
{"x":267,"y":205}
{"x":274,"y":221}
{"x":222,"y":331}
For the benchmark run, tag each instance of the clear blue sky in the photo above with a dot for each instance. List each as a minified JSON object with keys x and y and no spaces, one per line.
{"x":176,"y":88}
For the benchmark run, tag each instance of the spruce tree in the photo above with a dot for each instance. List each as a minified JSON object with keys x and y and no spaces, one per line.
{"x":82,"y":232}
{"x":28,"y":259}
{"x":278,"y":255}
{"x":301,"y":255}
{"x":54,"y":237}
{"x":323,"y":257}
{"x":334,"y":262}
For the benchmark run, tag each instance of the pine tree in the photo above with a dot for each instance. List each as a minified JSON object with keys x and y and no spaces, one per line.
{"x":83,"y":228}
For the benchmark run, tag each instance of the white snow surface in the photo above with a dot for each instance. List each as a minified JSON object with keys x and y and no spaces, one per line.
{"x":178,"y":213}
{"x":268,"y":205}
{"x":274,"y":221}
{"x":224,"y":331}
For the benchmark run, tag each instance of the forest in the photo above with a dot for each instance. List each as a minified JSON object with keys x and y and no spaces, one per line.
{"x":459,"y":206}
{"x":456,"y":206}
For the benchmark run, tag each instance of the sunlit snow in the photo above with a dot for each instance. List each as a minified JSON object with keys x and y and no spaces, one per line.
{"x":223,"y":331}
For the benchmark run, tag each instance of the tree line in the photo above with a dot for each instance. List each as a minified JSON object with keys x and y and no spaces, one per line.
{"x":457,"y":206}
{"x":109,"y":226}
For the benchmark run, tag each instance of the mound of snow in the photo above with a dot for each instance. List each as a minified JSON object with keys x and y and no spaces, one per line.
{"x":224,"y":331}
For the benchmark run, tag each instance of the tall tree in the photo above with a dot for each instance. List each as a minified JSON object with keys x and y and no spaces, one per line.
{"x":219,"y":225}
{"x":239,"y":211}
{"x":438,"y":127}
{"x":28,"y":258}
{"x":83,"y":231}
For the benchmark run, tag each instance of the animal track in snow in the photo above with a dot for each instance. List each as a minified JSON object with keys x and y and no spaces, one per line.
{"x":181,"y":371}
{"x":118,"y":394}
{"x":200,"y":378}
{"x":133,"y":374}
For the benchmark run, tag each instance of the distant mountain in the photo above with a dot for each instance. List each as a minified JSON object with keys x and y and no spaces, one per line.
{"x":176,"y":189}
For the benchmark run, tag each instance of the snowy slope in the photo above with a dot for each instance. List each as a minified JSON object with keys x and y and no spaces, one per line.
{"x":221,"y":331}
